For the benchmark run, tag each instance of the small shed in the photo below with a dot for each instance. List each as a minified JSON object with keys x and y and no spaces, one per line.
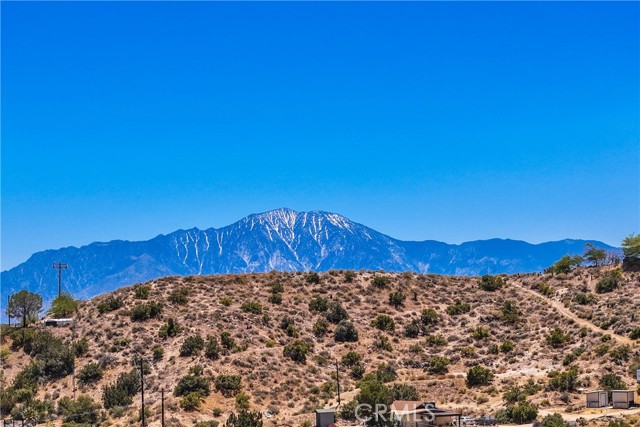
{"x":597,"y":398}
{"x":325,"y":417}
{"x":58,"y":322}
{"x":622,"y":399}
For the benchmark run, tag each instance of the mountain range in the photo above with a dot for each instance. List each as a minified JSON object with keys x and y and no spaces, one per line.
{"x":281,"y":239}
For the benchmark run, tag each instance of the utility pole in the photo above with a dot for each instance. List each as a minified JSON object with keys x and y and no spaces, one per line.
{"x":338,"y":381}
{"x":162,"y":404}
{"x":142,"y":393}
{"x":60,"y":266}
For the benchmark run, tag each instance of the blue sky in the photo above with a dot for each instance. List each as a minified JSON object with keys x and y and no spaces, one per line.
{"x":447,"y":121}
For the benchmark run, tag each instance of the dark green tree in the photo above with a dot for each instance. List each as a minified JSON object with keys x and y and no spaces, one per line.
{"x":24,"y":305}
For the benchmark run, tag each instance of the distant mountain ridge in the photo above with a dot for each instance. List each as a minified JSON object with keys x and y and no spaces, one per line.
{"x":281,"y":239}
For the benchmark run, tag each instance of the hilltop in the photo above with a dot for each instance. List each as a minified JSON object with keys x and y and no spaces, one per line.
{"x":532,"y":329}
{"x":281,"y":239}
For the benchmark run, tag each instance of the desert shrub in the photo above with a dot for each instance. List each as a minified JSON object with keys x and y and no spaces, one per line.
{"x":146,"y":311}
{"x":458,"y":308}
{"x":320,"y":328}
{"x":348,"y":411}
{"x":635,"y":333}
{"x":191,"y":401}
{"x":554,"y":420}
{"x":141,"y":292}
{"x":211,"y":423}
{"x":226,"y":301}
{"x":227,"y":341}
{"x":90,"y":373}
{"x":382,"y":342}
{"x":412,"y":329}
{"x":436,"y":340}
{"x":242,"y":401}
{"x":584,"y":298}
{"x":318,"y":305}
{"x":521,"y":413}
{"x":193,"y":382}
{"x":404,"y":392}
{"x":621,"y":353}
{"x":109,"y":304}
{"x":80,"y":347}
{"x":351,"y":358}
{"x":380,"y":281}
{"x":564,"y":381}
{"x":179,"y":296}
{"x":491,"y":283}
{"x":80,"y":411}
{"x":479,"y":376}
{"x":345,"y":332}
{"x":122,"y":391}
{"x":438,"y":365}
{"x":169,"y":329}
{"x":611,"y":382}
{"x":55,"y":358}
{"x":313,"y":277}
{"x":211,"y":349}
{"x":275,"y":299}
{"x":336,"y":313}
{"x":396,"y":299}
{"x":63,"y":306}
{"x":557,"y":338}
{"x":507,"y":346}
{"x":386,"y":373}
{"x":384,"y":323}
{"x":277,"y":288}
{"x":229,"y":385}
{"x":297,"y":350}
{"x":349,"y":276}
{"x":192,"y":346}
{"x":618,"y":423}
{"x":544,"y":289}
{"x":429,"y":317}
{"x":480,"y":333}
{"x":158,"y":353}
{"x":252,"y":307}
{"x":357,"y":372}
{"x":244,"y":419}
{"x":509,"y":312}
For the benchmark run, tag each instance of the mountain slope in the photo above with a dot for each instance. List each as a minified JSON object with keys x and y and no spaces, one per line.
{"x":283,"y":240}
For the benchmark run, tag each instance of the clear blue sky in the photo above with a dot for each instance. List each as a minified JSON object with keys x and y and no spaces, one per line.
{"x":447,"y":121}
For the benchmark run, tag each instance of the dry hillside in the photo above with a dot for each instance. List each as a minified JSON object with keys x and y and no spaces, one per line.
{"x":505,"y":330}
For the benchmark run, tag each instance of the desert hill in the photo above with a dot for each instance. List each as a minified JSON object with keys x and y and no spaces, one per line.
{"x":426,"y":331}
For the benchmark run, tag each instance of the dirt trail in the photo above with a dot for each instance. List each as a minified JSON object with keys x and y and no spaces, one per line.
{"x":571,"y":315}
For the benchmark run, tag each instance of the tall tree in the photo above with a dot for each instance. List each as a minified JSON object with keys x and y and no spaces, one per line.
{"x":631,"y":246}
{"x":25,"y":305}
{"x":596,"y":256}
{"x":63,"y":306}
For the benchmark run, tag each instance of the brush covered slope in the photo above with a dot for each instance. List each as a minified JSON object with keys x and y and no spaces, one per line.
{"x":269,"y":342}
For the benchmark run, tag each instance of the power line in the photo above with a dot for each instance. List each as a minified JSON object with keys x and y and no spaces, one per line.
{"x":60,"y":266}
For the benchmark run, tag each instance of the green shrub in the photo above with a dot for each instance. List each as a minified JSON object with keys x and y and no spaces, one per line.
{"x":491,"y":283}
{"x":179,"y":296}
{"x":480,"y":333}
{"x":226,"y":301}
{"x":384,"y":323}
{"x":80,"y":411}
{"x":349,"y":276}
{"x":429,"y":317}
{"x":380,"y":281}
{"x":275,"y":299}
{"x":252,"y":307}
{"x":458,"y":308}
{"x":509,"y":312}
{"x":141,"y":292}
{"x":544,"y":289}
{"x":297,"y":350}
{"x":479,"y":376}
{"x":320,"y":328}
{"x":242,"y":401}
{"x":193,"y":382}
{"x":611,"y":382}
{"x":554,"y":420}
{"x":438,"y":365}
{"x":386,"y":373}
{"x":635,"y":334}
{"x":122,"y":391}
{"x":191,"y":401}
{"x":607,"y":284}
{"x":158,"y":353}
{"x":507,"y":346}
{"x":80,"y":347}
{"x":557,"y":338}
{"x":192,"y":346}
{"x":404,"y":392}
{"x":345,"y":332}
{"x":244,"y":419}
{"x":146,"y":311}
{"x":229,"y":385}
{"x":277,"y":288}
{"x":212,"y":350}
{"x":584,"y":298}
{"x":336,"y":313}
{"x":351,"y":359}
{"x":313,"y":277}
{"x":412,"y":329}
{"x":382,"y":342}
{"x":396,"y":299}
{"x":90,"y":373}
{"x":63,"y":306}
{"x":110,"y":304}
{"x":227,"y":341}
{"x":436,"y":340}
{"x":566,"y":381}
{"x":318,"y":305}
{"x":169,"y":329}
